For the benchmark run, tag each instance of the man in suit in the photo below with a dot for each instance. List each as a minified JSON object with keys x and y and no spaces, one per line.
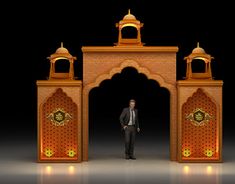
{"x":130,"y":124}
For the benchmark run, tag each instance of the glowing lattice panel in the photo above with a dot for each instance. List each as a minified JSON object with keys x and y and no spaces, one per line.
{"x":199,"y":129}
{"x":59,"y":128}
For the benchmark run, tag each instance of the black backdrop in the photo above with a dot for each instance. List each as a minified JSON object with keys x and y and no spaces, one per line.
{"x":32,"y":31}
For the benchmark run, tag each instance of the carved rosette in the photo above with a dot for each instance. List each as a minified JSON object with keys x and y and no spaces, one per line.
{"x":59,"y":117}
{"x":198,"y":117}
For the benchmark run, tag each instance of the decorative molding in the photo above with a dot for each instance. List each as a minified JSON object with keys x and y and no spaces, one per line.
{"x":130,"y":49}
{"x":60,"y":83}
{"x":129,"y":63}
{"x":197,"y":83}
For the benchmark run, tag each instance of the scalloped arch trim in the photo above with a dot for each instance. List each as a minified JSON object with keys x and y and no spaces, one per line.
{"x":124,"y":64}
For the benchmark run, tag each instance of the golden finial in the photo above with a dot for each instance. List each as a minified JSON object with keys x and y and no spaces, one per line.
{"x":129,"y":11}
{"x":198,"y":45}
{"x":61,"y":44}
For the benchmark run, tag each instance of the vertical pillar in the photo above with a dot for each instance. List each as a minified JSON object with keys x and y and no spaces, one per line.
{"x":200,"y":121}
{"x":59,"y":121}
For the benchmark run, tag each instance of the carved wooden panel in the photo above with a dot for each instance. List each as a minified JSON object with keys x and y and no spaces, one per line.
{"x":59,"y":129}
{"x":199,"y":129}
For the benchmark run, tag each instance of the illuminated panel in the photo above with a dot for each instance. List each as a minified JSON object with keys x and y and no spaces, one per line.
{"x":59,"y":128}
{"x":199,"y":129}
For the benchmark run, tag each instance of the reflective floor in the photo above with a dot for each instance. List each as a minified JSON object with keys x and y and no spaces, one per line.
{"x":107,"y":165}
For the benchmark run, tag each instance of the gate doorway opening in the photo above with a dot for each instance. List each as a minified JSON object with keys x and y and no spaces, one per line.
{"x":106,"y":140}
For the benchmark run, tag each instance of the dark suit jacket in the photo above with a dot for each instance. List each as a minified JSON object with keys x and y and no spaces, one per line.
{"x":125,"y":117}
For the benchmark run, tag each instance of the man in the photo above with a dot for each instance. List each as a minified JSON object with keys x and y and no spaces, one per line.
{"x":130,"y":124}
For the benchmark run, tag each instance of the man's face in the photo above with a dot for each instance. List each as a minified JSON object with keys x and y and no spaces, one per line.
{"x":132,"y":105}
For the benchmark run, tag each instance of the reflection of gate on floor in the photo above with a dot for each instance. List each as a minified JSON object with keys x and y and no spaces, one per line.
{"x":195,"y":103}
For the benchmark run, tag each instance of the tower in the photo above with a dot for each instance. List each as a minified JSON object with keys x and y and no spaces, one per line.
{"x":59,"y":112}
{"x":61,"y":53}
{"x":129,"y":20}
{"x":199,"y":112}
{"x":198,"y":54}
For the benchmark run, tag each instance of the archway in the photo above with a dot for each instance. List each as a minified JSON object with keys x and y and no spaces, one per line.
{"x":108,"y":75}
{"x":105,"y":105}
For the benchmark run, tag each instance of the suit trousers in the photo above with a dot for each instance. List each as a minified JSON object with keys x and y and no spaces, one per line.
{"x":130,"y":133}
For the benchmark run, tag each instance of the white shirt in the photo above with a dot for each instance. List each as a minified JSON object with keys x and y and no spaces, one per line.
{"x":131,"y":122}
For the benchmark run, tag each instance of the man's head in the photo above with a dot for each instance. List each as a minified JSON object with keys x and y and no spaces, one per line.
{"x":132,"y":103}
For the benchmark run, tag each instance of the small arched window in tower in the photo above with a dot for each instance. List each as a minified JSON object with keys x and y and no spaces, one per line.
{"x":62,"y":66}
{"x":129,"y":32}
{"x":198,"y":66}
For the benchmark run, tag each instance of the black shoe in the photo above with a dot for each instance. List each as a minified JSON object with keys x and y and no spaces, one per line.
{"x":133,"y":158}
{"x":127,"y":157}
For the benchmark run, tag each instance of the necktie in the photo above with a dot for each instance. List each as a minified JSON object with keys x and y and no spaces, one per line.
{"x":132,"y":117}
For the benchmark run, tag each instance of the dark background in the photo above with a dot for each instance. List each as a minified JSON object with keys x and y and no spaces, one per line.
{"x":32,"y":31}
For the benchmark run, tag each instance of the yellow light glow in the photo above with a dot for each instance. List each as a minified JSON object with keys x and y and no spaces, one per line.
{"x":48,"y":170}
{"x":209,"y":169}
{"x":71,"y":153}
{"x":71,"y":170}
{"x":186,"y":169}
{"x":59,"y":58}
{"x":186,"y":152}
{"x":129,"y":25}
{"x":48,"y":152}
{"x":217,"y":141}
{"x":208,"y":152}
{"x":201,"y":58}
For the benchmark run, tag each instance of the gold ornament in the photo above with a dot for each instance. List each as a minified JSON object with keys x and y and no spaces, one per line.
{"x":59,"y":117}
{"x":48,"y":152}
{"x":186,"y":152}
{"x":71,"y":153}
{"x":208,"y":153}
{"x":198,"y":117}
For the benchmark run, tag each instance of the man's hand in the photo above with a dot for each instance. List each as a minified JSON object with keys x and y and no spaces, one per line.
{"x":124,"y":127}
{"x":138,"y":129}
